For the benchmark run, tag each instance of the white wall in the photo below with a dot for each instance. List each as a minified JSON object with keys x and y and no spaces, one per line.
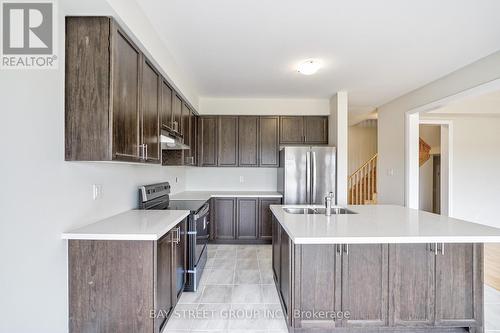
{"x":362,"y":146}
{"x":391,"y":122}
{"x":264,"y":106}
{"x":228,"y":179}
{"x":42,"y":196}
{"x":475,"y":160}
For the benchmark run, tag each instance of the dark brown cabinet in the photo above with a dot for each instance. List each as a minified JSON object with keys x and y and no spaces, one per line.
{"x":304,"y":130}
{"x":225,"y":218}
{"x":208,"y":136}
{"x":116,"y":101}
{"x":459,"y":285}
{"x":247,"y":218}
{"x":189,"y":135}
{"x":365,"y":279}
{"x":266,"y":217}
{"x":165,"y":299}
{"x":291,"y":129}
{"x":150,"y":113}
{"x":179,"y":235}
{"x":248,"y":141}
{"x":102,"y":82}
{"x":412,"y":278}
{"x":135,"y":276}
{"x":166,"y":105}
{"x":269,"y":141}
{"x":316,"y":130}
{"x":176,"y":113}
{"x":227,"y":142}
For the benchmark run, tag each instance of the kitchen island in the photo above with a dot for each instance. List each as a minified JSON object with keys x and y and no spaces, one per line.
{"x":384,"y":268}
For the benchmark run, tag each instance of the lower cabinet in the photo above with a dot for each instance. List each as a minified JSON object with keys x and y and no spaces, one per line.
{"x":247,"y":217}
{"x":242,"y":220}
{"x":140,"y":279}
{"x":409,"y":287}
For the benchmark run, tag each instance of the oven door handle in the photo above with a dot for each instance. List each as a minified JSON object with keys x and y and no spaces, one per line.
{"x":202,"y":212}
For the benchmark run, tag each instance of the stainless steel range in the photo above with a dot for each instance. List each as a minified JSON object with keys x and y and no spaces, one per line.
{"x":156,"y":196}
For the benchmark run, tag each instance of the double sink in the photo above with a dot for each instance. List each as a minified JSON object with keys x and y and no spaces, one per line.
{"x":309,"y":210}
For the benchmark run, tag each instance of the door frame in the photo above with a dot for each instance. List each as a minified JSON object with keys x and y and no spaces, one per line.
{"x":412,"y":122}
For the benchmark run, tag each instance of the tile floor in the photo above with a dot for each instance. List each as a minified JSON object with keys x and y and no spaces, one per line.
{"x":237,"y":294}
{"x":491,"y":309}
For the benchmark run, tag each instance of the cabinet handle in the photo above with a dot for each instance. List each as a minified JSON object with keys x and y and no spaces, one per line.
{"x":146,"y":149}
{"x":177,"y":233}
{"x":346,"y":249}
{"x":337,"y":247}
{"x":441,"y":249}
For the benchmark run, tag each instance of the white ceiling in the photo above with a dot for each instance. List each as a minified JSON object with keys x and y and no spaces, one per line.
{"x":376,"y":50}
{"x":485,"y":104}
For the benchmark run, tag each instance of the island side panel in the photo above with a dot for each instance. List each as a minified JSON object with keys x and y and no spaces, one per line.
{"x":110,"y":285}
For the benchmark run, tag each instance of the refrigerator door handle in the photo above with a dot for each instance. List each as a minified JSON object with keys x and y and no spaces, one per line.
{"x":313,"y":176}
{"x":308,"y":177}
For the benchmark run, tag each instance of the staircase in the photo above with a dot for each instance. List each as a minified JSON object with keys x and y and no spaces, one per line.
{"x":362,"y":184}
{"x":424,"y":152}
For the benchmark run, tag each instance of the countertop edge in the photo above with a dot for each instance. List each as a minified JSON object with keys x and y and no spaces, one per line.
{"x":124,"y":236}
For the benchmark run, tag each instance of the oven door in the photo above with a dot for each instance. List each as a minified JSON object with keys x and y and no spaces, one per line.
{"x":202,"y":221}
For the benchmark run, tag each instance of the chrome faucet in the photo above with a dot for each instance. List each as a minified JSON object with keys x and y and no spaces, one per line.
{"x":328,"y":203}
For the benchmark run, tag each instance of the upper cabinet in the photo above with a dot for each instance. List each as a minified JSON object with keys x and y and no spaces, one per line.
{"x":248,"y":141}
{"x":166,"y":105}
{"x":150,"y":113}
{"x":304,"y":130}
{"x":291,"y":129}
{"x":176,"y":113}
{"x":269,"y":141}
{"x":116,"y":101}
{"x":227,"y":141}
{"x":316,"y":130}
{"x":208,"y":136}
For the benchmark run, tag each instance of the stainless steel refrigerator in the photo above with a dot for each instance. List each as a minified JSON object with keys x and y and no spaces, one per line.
{"x":307,"y":174}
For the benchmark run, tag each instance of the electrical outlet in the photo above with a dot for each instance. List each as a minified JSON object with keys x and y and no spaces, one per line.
{"x":96,"y":191}
{"x":242,"y":179}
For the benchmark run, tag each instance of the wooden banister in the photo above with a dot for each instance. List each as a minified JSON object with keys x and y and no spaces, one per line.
{"x":363,"y":183}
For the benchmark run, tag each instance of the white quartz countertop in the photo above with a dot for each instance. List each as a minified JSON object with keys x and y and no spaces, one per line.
{"x":130,"y":225}
{"x":205,"y":195}
{"x":380,"y":224}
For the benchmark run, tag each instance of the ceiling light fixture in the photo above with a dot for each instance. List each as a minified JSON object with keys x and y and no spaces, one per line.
{"x":308,"y":67}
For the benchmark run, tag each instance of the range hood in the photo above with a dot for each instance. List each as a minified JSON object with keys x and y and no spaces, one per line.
{"x":171,"y":141}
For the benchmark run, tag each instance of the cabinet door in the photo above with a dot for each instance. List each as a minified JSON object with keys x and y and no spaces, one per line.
{"x":269,"y":142}
{"x":164,"y":285}
{"x":187,"y":127}
{"x":248,"y":137}
{"x":125,"y":81}
{"x":208,"y":138}
{"x":291,"y":129}
{"x":276,"y":250}
{"x":459,"y":285}
{"x":166,"y":105}
{"x":150,"y":115}
{"x":266,"y":217}
{"x":317,"y":274}
{"x":316,"y":130}
{"x":227,"y":141}
{"x":411,"y":285}
{"x":180,"y":259}
{"x":365,"y":278}
{"x":285,"y":272}
{"x":176,"y":113}
{"x":247,"y":217}
{"x":225,"y":218}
